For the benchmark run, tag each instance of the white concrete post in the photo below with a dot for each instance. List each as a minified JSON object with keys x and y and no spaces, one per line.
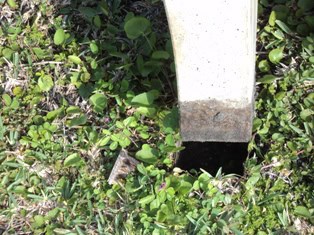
{"x":214,"y":48}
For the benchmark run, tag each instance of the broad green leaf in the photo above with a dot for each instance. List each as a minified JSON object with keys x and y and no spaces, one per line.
{"x":306,"y":5}
{"x":50,"y":127}
{"x":104,"y":7}
{"x":7,"y":53}
{"x":78,"y":121}
{"x":52,"y":214}
{"x":141,"y":168}
{"x":145,"y":200}
{"x":119,"y":55}
{"x":85,"y":77}
{"x":40,"y":53}
{"x":280,"y":95}
{"x":302,"y":211}
{"x":99,"y":102}
{"x":283,"y":27}
{"x":15,"y":104}
{"x":278,"y":137}
{"x":97,"y":21}
{"x":88,"y":12}
{"x":221,"y":224}
{"x":145,"y":68}
{"x":145,"y":99}
{"x":136,"y":27}
{"x":161,"y":217}
{"x":122,"y":139}
{"x":309,"y":100}
{"x":38,"y":120}
{"x":292,"y":146}
{"x":303,"y":29}
{"x":112,"y":29}
{"x":7,"y":99}
{"x":263,"y":131}
{"x":85,"y":90}
{"x":14,"y":30}
{"x":264,"y":66}
{"x":272,"y":18}
{"x":73,"y":110}
{"x":94,"y":48}
{"x":282,"y":12}
{"x":147,"y":154}
{"x":257,"y":123}
{"x":20,"y":189}
{"x":149,"y":67}
{"x":55,"y":113}
{"x":144,"y":135}
{"x":39,"y":221}
{"x":155,"y":204}
{"x":307,"y":114}
{"x":267,"y":79}
{"x":252,"y":180}
{"x":311,"y":59}
{"x":276,"y":55}
{"x":215,"y":213}
{"x":12,"y":4}
{"x":59,"y":37}
{"x":160,"y":55}
{"x":296,"y":129}
{"x":169,"y":140}
{"x":18,"y":91}
{"x":140,"y":63}
{"x":114,"y":145}
{"x":72,"y":160}
{"x":94,"y":64}
{"x":45,"y":83}
{"x":75,"y":59}
{"x":278,"y":34}
{"x":104,"y":141}
{"x":170,"y":120}
{"x":310,"y":21}
{"x":130,"y":122}
{"x":147,"y":111}
{"x":185,"y":187}
{"x":119,"y":125}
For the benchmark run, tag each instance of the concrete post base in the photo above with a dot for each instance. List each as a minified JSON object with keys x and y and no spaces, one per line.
{"x":214,"y":47}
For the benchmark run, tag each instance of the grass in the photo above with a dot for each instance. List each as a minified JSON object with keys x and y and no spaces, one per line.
{"x":80,"y":81}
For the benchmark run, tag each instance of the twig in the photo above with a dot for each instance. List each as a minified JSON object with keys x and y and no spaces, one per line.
{"x":42,"y":63}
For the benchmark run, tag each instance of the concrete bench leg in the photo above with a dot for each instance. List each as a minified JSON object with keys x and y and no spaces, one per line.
{"x":214,"y":47}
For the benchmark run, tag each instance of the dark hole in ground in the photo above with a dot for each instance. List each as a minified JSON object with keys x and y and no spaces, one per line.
{"x":210,"y":156}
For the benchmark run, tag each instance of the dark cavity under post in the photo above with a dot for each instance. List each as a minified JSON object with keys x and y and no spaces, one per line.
{"x":210,"y":156}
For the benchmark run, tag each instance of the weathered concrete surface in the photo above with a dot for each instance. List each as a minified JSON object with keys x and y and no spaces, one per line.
{"x":215,"y":121}
{"x":214,"y":47}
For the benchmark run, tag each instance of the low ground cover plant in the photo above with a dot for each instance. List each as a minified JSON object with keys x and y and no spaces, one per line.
{"x":81,"y":80}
